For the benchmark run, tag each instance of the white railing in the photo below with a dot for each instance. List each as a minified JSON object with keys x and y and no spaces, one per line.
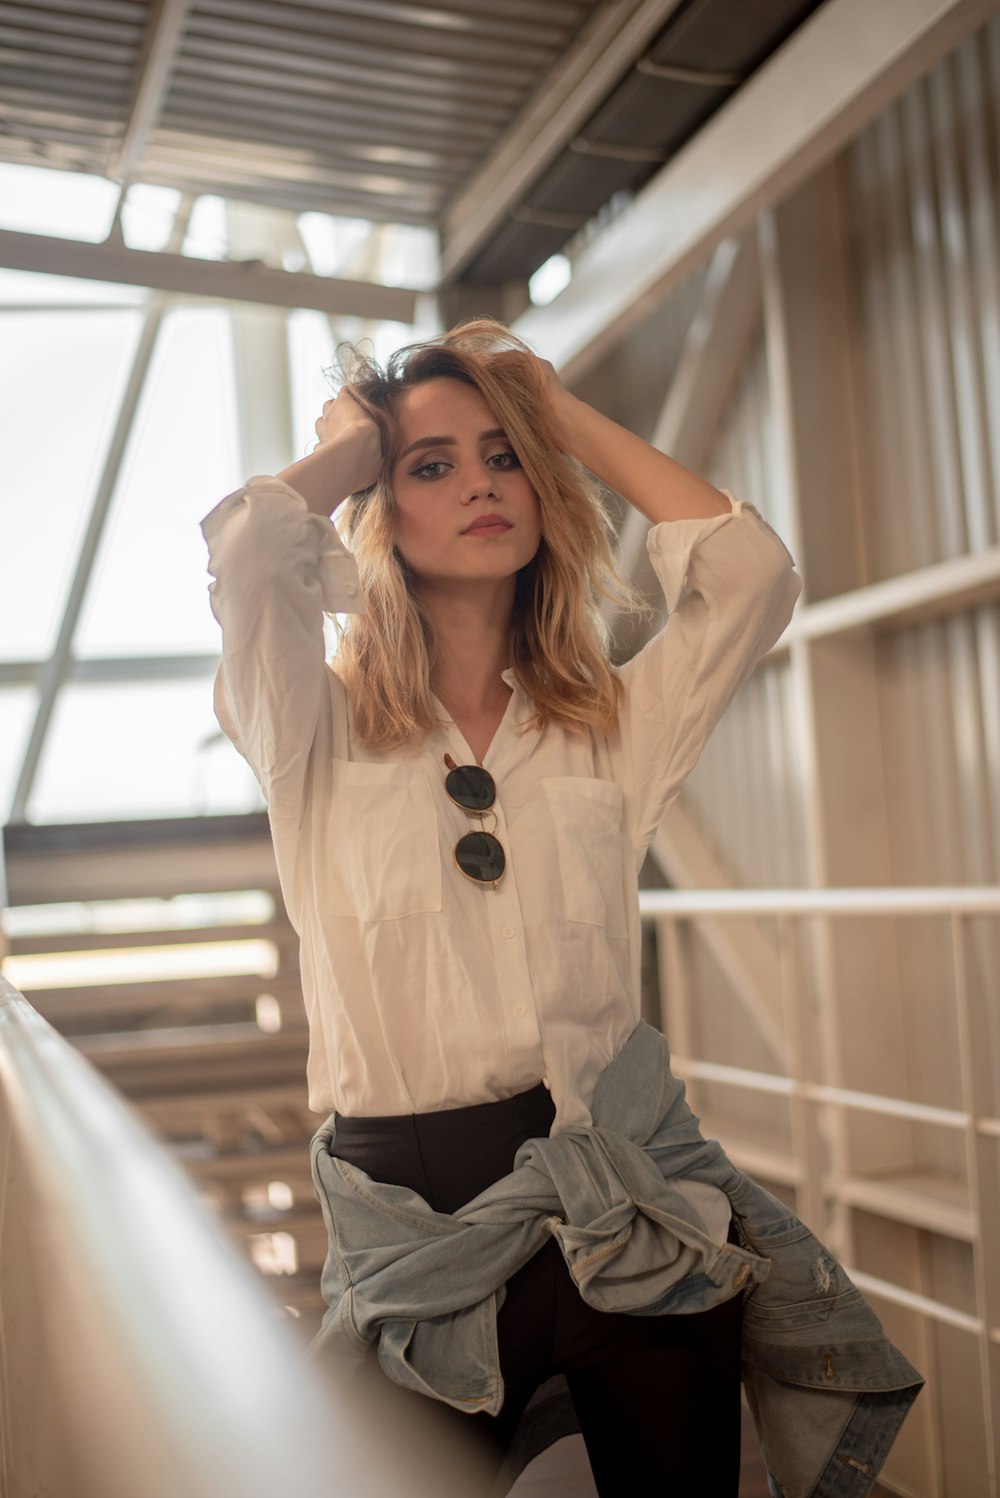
{"x":818,"y":1165}
{"x":139,"y":1354}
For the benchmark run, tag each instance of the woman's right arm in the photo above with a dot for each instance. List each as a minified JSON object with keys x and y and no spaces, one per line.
{"x":346,"y":458}
{"x":278,"y":565}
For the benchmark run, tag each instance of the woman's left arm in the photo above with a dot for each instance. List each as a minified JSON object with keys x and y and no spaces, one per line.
{"x":658,"y":486}
{"x":729,"y":586}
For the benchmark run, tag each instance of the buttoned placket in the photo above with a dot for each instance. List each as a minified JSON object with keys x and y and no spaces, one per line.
{"x":503,"y":907}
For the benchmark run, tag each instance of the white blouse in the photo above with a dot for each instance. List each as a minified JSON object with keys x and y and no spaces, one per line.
{"x":424,"y":990}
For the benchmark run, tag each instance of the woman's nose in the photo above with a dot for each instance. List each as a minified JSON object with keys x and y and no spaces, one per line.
{"x":479,"y":482}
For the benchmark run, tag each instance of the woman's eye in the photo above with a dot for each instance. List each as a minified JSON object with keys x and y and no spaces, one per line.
{"x":507,"y":459}
{"x":430,"y":470}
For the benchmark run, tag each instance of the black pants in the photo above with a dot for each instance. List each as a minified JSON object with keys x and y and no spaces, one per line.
{"x":657,"y":1397}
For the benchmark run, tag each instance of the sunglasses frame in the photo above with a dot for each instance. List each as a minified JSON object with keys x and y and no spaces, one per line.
{"x":479,"y":812}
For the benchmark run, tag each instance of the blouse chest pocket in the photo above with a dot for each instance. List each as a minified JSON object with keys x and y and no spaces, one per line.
{"x":383,"y":843}
{"x":587,"y":817}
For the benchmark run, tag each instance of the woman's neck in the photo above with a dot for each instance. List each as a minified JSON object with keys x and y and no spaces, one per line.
{"x":472,"y":637}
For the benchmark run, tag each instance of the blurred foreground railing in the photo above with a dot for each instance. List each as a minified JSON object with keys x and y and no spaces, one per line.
{"x":139,"y":1356}
{"x":807,"y":969}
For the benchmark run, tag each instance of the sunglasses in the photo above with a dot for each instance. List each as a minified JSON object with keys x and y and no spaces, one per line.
{"x":479,"y":855}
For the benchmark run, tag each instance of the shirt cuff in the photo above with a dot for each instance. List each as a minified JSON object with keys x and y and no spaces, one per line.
{"x":284,"y":507}
{"x":671,"y":542}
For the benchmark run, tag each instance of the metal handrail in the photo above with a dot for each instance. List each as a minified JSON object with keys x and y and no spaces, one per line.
{"x":957,"y":899}
{"x":138,"y":1351}
{"x":952,"y":901}
{"x":956,"y":904}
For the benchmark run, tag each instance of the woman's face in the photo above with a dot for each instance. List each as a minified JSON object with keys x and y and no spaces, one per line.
{"x":465,"y":510}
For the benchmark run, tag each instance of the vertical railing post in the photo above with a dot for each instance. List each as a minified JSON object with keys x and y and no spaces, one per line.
{"x":807,"y":1145}
{"x":675,"y":998}
{"x":984,"y":1191}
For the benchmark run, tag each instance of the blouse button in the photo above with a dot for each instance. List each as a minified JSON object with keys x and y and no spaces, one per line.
{"x":508,"y":931}
{"x":520,"y":1009}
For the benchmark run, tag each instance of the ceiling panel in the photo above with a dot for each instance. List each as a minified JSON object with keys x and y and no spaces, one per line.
{"x":287,"y":104}
{"x":706,"y":50}
{"x":377,"y":109}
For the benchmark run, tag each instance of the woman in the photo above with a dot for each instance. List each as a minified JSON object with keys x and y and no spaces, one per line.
{"x":460,"y":807}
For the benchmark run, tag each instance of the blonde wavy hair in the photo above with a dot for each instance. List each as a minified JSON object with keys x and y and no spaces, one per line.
{"x":559,"y":641}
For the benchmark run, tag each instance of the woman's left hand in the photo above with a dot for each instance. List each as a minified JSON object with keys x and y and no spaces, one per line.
{"x":558,"y":399}
{"x":659,"y":487}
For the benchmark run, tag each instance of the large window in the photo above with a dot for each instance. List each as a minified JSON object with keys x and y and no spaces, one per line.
{"x":135,"y":403}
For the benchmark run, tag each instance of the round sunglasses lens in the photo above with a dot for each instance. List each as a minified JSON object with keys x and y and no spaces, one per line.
{"x":480,"y":856}
{"x":472,"y":787}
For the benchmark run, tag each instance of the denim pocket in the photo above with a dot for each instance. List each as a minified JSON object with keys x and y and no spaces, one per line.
{"x":805,"y":1287}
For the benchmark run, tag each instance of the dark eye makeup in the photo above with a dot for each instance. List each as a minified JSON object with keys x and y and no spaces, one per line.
{"x":434,"y":467}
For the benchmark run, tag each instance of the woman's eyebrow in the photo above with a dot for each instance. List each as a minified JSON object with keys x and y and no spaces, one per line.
{"x":450,"y":441}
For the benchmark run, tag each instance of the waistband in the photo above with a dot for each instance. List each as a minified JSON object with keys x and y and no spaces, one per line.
{"x":530,"y":1109}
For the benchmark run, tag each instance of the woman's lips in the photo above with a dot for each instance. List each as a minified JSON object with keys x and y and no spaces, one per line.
{"x":487,"y":525}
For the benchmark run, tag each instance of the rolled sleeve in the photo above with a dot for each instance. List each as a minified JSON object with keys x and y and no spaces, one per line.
{"x":730,"y":585}
{"x":276,"y":569}
{"x":271,"y":520}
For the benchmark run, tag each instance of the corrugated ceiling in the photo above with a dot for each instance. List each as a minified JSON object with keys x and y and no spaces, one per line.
{"x":372,"y":108}
{"x":367,"y":107}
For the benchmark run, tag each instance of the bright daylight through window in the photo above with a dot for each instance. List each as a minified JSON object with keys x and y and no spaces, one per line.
{"x":138,"y":400}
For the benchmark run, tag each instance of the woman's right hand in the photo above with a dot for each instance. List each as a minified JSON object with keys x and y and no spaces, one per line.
{"x":347,"y":456}
{"x":345,"y":422}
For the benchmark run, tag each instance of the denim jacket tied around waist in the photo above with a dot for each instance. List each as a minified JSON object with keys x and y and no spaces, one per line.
{"x":827,"y":1389}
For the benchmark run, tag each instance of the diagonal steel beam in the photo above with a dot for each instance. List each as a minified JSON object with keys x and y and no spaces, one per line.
{"x":53,"y":672}
{"x":617,"y":35}
{"x":749,"y":960}
{"x":710,"y":359}
{"x":161,"y":45}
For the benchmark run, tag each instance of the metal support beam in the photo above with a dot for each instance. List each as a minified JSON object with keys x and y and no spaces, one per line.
{"x":162,"y":43}
{"x":835,"y":74}
{"x":741,"y":949}
{"x":223,"y":280}
{"x":942,"y":588}
{"x":580,"y":81}
{"x":713,"y":352}
{"x":260,"y":347}
{"x":117,"y":668}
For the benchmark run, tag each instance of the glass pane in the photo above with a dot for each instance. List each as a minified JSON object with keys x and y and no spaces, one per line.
{"x":334,"y":243}
{"x":69,"y":205}
{"x":148,"y":215}
{"x":311,"y":354}
{"x":207,"y":237}
{"x":139,"y":750}
{"x":61,"y":382}
{"x":26,"y":289}
{"x":389,"y":254}
{"x":149,"y":590}
{"x":410,"y":257}
{"x":17,"y":714}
